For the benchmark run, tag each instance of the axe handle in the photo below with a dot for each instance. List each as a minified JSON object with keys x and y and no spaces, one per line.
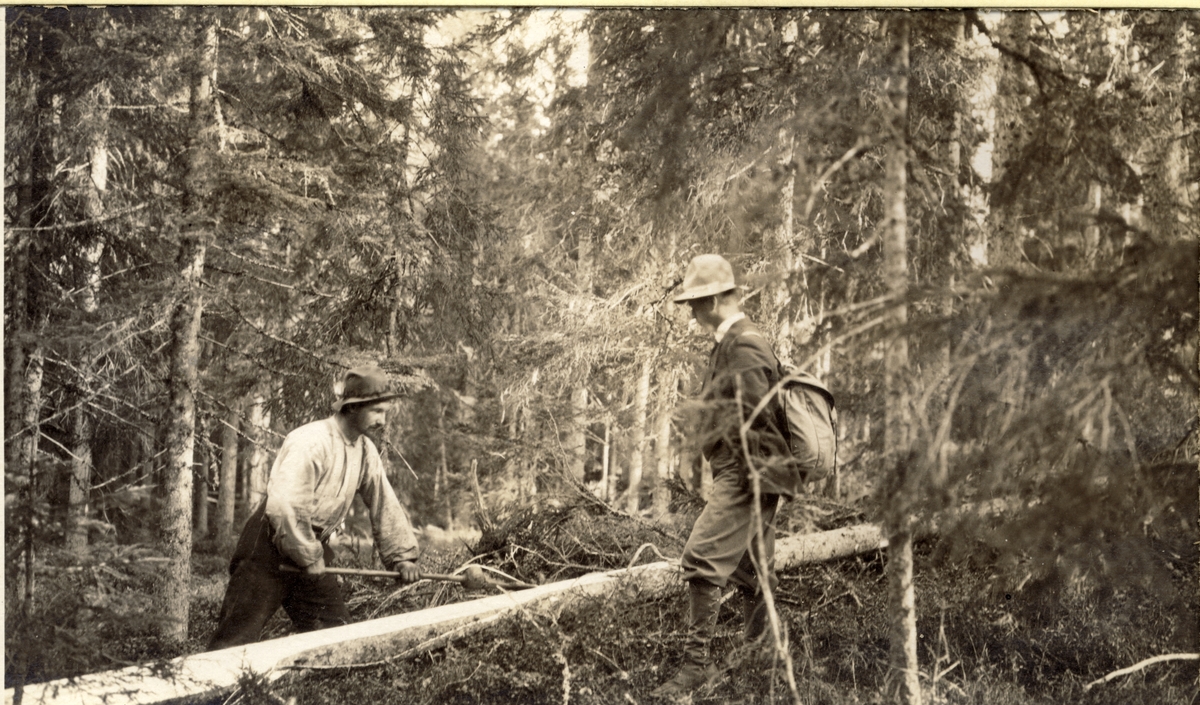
{"x":509,"y":585}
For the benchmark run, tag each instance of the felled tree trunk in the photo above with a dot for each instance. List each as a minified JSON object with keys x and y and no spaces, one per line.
{"x":207,"y":675}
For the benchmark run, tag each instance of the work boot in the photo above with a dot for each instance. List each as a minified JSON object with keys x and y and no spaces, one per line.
{"x":754,"y":614}
{"x":704,"y":601}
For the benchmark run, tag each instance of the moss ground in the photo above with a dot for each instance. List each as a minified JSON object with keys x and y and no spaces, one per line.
{"x":984,"y":637}
{"x":981,"y":640}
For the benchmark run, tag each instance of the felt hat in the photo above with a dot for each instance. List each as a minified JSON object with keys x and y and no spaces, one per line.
{"x":364,"y":384}
{"x":706,"y":275}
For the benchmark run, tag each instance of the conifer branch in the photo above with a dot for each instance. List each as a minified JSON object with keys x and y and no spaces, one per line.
{"x":78,"y":223}
{"x":287,"y":343}
{"x":248,"y":275}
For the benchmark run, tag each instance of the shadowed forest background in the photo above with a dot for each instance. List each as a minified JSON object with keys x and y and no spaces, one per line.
{"x":979,"y":229}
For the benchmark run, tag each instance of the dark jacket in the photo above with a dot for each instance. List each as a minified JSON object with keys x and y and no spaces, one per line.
{"x":744,"y":359}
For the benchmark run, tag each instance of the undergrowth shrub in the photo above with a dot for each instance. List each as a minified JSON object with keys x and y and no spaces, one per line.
{"x":986,"y":635}
{"x":975,"y":646}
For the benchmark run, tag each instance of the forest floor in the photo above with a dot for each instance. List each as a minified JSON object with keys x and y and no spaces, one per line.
{"x":981,"y":639}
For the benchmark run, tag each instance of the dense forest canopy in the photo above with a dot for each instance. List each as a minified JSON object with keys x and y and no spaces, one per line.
{"x":211,"y":213}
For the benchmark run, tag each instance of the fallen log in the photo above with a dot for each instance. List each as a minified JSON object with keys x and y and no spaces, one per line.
{"x":208,"y":675}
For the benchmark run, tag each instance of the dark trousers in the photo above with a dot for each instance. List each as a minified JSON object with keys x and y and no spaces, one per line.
{"x":257,"y":588}
{"x":723,"y":545}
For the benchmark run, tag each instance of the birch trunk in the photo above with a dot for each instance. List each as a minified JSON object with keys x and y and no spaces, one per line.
{"x":80,"y":482}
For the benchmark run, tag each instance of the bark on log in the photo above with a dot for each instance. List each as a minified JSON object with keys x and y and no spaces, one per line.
{"x":207,"y":675}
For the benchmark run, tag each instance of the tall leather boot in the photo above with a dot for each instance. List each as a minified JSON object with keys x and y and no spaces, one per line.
{"x":754,"y":614}
{"x":704,"y":602}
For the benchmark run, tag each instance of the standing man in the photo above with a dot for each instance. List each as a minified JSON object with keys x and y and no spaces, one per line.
{"x":317,"y":472}
{"x":723,"y":545}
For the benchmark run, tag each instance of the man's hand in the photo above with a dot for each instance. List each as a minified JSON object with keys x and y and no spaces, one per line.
{"x":408,"y":571}
{"x":317,"y":569}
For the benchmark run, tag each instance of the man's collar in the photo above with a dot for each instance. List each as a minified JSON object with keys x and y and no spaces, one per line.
{"x":340,"y":422}
{"x":727,"y":324}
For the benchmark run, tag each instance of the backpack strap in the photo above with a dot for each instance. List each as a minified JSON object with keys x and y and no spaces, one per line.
{"x":798,"y":375}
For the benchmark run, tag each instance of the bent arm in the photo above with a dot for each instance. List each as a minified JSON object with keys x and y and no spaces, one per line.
{"x":390,"y":525}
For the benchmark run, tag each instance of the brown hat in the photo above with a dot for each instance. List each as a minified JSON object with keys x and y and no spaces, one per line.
{"x":706,"y":275}
{"x":363,"y":385}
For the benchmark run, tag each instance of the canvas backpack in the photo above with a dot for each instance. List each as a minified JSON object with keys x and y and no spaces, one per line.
{"x":811,"y":422}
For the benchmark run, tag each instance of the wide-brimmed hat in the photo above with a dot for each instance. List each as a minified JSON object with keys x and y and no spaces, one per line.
{"x":365,"y":384}
{"x":706,"y":275}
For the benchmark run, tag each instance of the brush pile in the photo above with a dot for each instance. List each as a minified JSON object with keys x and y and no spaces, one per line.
{"x":567,"y":536}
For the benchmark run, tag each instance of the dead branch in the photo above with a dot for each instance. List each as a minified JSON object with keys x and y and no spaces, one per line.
{"x":1140,"y":665}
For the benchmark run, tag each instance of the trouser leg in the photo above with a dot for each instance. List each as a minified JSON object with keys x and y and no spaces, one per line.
{"x":748,"y":573}
{"x":255,"y":588}
{"x":724,"y":543}
{"x":724,"y":546}
{"x":315,"y":603}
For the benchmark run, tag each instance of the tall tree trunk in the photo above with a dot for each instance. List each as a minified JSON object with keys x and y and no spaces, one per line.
{"x":228,"y":481}
{"x":897,"y":524}
{"x":26,"y":460}
{"x":404,"y":208}
{"x":638,"y":456}
{"x":662,"y":445}
{"x":1175,"y":161}
{"x":80,"y":482}
{"x":96,"y":109}
{"x":200,"y":481}
{"x":441,"y":498}
{"x":1001,"y":245}
{"x":606,"y":483}
{"x":1091,"y":234}
{"x":779,"y":294}
{"x":180,"y":434}
{"x":256,"y":473}
{"x":25,"y":357}
{"x":577,"y":438}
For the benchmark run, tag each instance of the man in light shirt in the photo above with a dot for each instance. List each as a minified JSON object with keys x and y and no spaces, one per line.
{"x":317,"y":471}
{"x":723,"y":546}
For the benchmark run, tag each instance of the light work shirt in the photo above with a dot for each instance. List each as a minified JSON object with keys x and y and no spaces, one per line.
{"x":312,"y":484}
